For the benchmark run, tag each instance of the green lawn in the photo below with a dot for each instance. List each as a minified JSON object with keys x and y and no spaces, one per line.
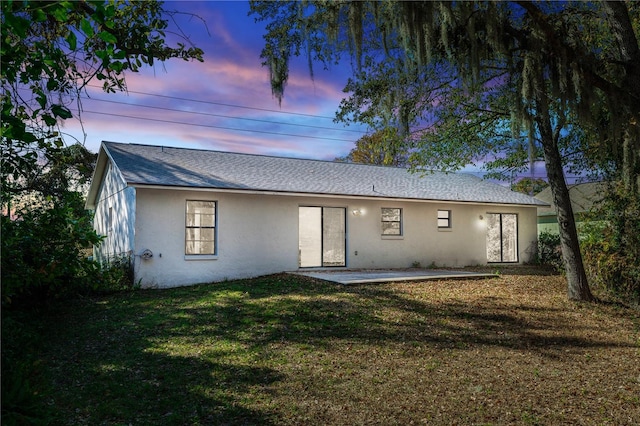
{"x":292,"y":350}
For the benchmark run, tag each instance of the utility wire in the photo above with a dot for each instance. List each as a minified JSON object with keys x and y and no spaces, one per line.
{"x":225,"y":116}
{"x":361,"y":132}
{"x":211,"y":126}
{"x":221,"y":104}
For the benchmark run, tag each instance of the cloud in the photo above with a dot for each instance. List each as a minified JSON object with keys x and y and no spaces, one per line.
{"x":232,"y":83}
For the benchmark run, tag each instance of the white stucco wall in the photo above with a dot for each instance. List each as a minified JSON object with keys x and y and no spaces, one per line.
{"x":258,"y":234}
{"x":114,"y":216}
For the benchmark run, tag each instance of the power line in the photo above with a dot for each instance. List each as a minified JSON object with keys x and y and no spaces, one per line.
{"x":226,"y":116}
{"x":220,"y":115}
{"x":212,"y":126}
{"x":221,"y":104}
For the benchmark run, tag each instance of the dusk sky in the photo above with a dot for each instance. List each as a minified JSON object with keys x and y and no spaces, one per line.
{"x":225,"y":103}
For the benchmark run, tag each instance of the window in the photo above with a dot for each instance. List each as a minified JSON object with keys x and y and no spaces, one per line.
{"x":444,"y":218}
{"x":321,"y":236}
{"x":502,"y":237}
{"x":391,"y":221}
{"x":200,"y":231}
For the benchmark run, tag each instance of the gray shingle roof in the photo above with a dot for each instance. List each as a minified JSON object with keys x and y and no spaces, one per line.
{"x":583,"y":197}
{"x":180,"y":167}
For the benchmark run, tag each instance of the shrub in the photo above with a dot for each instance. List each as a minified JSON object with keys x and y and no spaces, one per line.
{"x":116,"y":274}
{"x":611,"y":244}
{"x":607,"y":266}
{"x":44,"y":254}
{"x":550,"y":251}
{"x":42,"y":250}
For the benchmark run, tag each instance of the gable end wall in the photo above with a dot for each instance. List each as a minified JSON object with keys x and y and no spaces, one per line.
{"x":114,"y":216}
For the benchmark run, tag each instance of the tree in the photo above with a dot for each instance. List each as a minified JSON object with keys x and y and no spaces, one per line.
{"x":529,"y":185}
{"x":50,"y":52}
{"x":383,"y":148}
{"x":548,"y":64}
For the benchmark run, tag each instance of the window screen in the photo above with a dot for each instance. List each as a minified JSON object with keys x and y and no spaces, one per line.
{"x":200,"y":231}
{"x":391,"y":221}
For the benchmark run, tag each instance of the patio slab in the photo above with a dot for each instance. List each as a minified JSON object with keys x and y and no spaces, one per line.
{"x":389,"y":275}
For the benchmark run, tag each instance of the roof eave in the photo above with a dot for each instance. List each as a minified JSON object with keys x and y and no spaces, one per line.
{"x":96,"y":179}
{"x":323,"y":195}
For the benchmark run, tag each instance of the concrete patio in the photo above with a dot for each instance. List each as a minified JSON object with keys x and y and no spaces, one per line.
{"x":389,"y":275}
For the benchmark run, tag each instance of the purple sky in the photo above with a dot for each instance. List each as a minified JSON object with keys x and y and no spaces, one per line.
{"x":225,"y":101}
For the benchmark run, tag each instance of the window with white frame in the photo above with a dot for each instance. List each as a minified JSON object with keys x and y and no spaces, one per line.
{"x":391,"y":221}
{"x":444,"y":219}
{"x":200,"y":228}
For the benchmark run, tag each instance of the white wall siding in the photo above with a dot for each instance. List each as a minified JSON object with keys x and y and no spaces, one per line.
{"x":463,"y":244}
{"x":114,"y":216}
{"x":258,"y":234}
{"x":255,"y":235}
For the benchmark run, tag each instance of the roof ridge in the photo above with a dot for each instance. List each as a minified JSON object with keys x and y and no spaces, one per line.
{"x":144,"y":164}
{"x":286,"y":158}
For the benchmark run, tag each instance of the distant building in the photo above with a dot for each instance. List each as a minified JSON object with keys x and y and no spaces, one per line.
{"x":583,"y":197}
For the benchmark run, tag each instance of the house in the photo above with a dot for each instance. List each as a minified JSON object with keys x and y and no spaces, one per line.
{"x":188,"y":216}
{"x":583,"y":197}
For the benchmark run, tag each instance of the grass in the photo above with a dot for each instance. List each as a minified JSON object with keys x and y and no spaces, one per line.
{"x":292,"y":350}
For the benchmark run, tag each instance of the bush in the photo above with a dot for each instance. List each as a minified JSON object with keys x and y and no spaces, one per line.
{"x":550,"y":251}
{"x":607,"y":266}
{"x":611,"y":245}
{"x":44,"y":254}
{"x":42,"y":250}
{"x":116,"y":274}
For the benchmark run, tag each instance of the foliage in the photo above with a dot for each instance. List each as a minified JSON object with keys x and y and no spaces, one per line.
{"x":50,"y":52}
{"x":487,"y":69}
{"x":611,"y":244}
{"x":42,"y":248}
{"x":116,"y":274}
{"x":383,"y":148}
{"x":549,"y":251}
{"x":529,"y":185}
{"x":474,"y":48}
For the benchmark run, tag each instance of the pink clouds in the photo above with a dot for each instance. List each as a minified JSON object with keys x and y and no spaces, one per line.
{"x":187,"y":109}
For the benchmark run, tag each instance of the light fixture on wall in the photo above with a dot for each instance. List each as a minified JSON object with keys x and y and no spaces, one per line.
{"x":356,"y":212}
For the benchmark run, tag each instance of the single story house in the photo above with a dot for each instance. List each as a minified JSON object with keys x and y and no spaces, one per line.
{"x":188,"y":216}
{"x":583,"y":197}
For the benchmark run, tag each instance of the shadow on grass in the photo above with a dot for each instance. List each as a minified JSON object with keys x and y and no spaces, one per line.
{"x":113,"y":371}
{"x":208,"y":354}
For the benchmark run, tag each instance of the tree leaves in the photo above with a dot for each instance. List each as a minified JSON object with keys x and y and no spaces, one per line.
{"x":50,"y":52}
{"x":107,"y":37}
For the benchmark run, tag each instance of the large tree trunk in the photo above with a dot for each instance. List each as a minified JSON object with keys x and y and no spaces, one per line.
{"x":631,"y":185}
{"x":577,"y":284}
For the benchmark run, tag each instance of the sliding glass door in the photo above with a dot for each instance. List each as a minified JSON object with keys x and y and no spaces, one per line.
{"x":502,"y":237}
{"x":321,"y":236}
